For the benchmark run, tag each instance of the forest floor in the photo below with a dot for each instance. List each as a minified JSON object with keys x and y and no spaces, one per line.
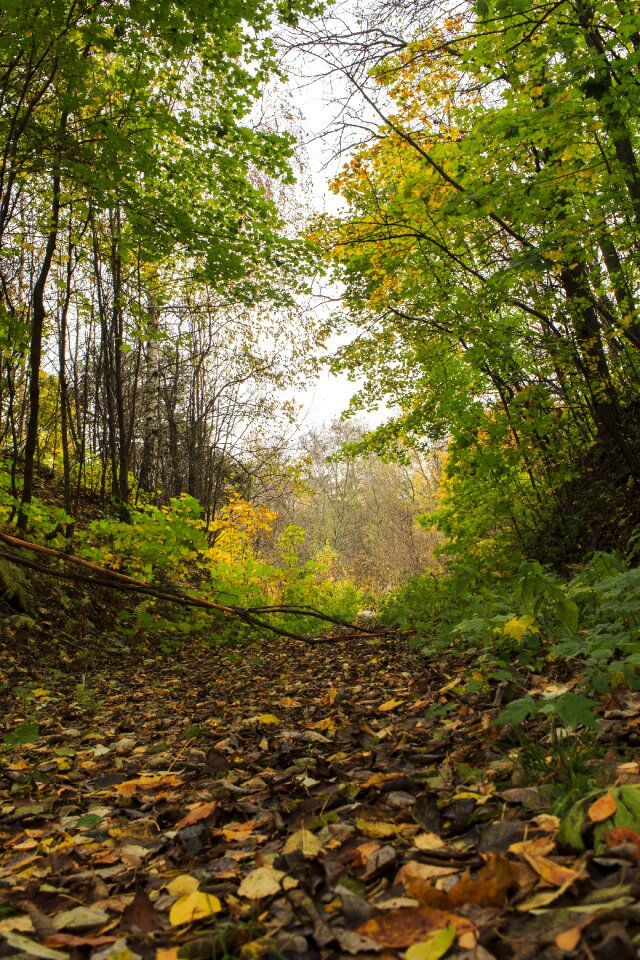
{"x":290,"y":801}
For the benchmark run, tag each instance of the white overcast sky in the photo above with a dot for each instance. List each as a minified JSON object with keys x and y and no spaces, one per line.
{"x":329,"y":395}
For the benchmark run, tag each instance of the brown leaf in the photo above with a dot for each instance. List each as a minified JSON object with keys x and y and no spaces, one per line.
{"x":491,"y":887}
{"x":71,"y":940}
{"x":140,"y":916}
{"x":401,"y":928}
{"x":201,"y":811}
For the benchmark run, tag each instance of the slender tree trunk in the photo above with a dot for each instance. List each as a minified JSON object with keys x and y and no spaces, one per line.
{"x":38,"y":314}
{"x":151,"y":402}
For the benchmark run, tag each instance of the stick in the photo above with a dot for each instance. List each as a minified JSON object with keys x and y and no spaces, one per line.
{"x":113,"y":580}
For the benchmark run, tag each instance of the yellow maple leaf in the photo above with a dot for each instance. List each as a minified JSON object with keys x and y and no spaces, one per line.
{"x":518,"y":626}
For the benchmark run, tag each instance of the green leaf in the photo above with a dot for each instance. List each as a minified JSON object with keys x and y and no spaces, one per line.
{"x":89,"y":820}
{"x":568,"y":613}
{"x":517,"y":711}
{"x":572,"y":709}
{"x":434,"y":947}
{"x":25,"y":733}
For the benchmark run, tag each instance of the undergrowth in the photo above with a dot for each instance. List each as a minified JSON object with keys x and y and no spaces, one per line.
{"x":583,"y":629}
{"x":218,"y":561}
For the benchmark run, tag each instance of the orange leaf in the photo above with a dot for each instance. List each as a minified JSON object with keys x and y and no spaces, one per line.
{"x":603,"y":808}
{"x":239,"y":831}
{"x":201,"y":811}
{"x":404,"y":927}
{"x":551,"y":872}
{"x":623,"y":835}
{"x":569,"y":939}
{"x":147,"y":782}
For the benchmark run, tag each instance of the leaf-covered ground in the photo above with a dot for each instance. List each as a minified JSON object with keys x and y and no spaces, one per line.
{"x":288,"y":801}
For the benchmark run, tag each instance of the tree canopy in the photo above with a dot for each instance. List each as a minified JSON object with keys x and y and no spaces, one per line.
{"x":490,"y":255}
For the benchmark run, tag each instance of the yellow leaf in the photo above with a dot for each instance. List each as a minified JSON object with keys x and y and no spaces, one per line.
{"x":262,"y":882}
{"x":267,"y":718}
{"x":305,"y":841}
{"x":518,"y":626}
{"x":390,"y":705}
{"x":195,"y":906}
{"x":377,"y":829}
{"x":428,"y":841}
{"x":434,"y":947}
{"x":183,"y":885}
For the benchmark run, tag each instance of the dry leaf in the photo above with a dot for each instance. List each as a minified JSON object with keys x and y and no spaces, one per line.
{"x":195,"y":906}
{"x":183,"y":885}
{"x":551,"y":872}
{"x":239,"y":831}
{"x":402,"y":928}
{"x":146,"y":783}
{"x":390,"y":705}
{"x":305,"y":841}
{"x":568,"y":940}
{"x":428,"y":841}
{"x":377,"y":829}
{"x":201,"y":811}
{"x":602,"y":808}
{"x":262,"y":882}
{"x":491,"y":887}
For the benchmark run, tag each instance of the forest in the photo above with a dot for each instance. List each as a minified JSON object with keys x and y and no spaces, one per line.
{"x":275,"y":685}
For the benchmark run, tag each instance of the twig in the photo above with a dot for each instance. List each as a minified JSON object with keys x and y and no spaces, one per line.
{"x":113,"y":580}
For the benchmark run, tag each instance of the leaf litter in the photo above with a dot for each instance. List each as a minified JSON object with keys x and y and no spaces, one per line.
{"x":324,"y":804}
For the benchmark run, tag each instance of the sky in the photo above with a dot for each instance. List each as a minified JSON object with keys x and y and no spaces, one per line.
{"x":329,"y":395}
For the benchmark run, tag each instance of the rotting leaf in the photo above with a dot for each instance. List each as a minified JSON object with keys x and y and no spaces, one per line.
{"x":409,"y":925}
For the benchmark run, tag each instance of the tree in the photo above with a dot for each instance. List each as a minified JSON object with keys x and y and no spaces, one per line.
{"x":133,"y":116}
{"x":362,"y":509}
{"x":490,"y":254}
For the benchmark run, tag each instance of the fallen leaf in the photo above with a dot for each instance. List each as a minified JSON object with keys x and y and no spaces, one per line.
{"x":305,"y":842}
{"x":195,"y":906}
{"x":491,"y":887}
{"x":201,"y":811}
{"x":433,"y":948}
{"x":428,"y":841}
{"x":377,"y":829}
{"x":183,"y":885}
{"x":261,"y":882}
{"x":147,"y":783}
{"x":18,"y":942}
{"x":390,"y":705}
{"x":620,"y":836}
{"x":568,"y":940}
{"x":402,"y":928}
{"x":140,"y":916}
{"x":551,"y":872}
{"x":602,"y":808}
{"x":239,"y":831}
{"x":79,"y":918}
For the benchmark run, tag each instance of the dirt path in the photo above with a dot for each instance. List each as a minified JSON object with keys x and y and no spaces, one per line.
{"x":281,"y":801}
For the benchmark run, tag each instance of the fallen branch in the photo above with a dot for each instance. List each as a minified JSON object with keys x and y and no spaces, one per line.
{"x":113,"y":580}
